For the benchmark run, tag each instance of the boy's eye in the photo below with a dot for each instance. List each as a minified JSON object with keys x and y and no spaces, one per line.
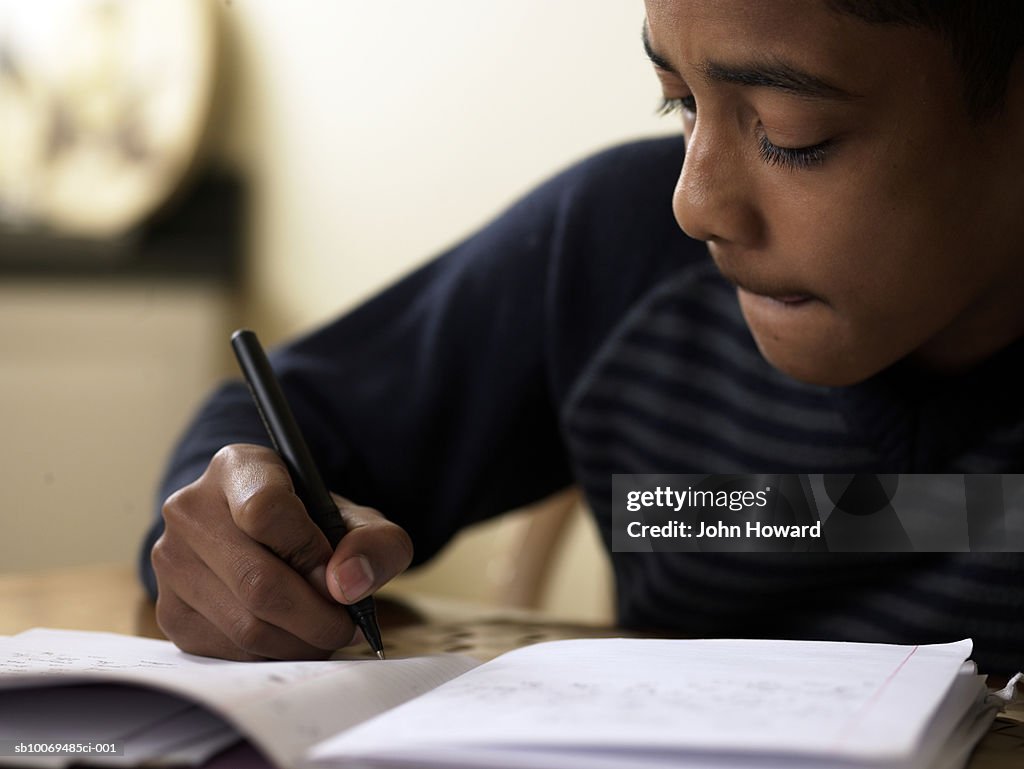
{"x":772,"y":154}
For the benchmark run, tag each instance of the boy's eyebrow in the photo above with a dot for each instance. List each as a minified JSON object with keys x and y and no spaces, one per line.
{"x":657,"y":59}
{"x":777,"y":75}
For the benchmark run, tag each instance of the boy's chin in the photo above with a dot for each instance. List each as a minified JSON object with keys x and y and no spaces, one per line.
{"x":831,"y":367}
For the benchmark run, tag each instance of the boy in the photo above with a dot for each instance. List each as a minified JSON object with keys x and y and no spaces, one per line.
{"x":854,"y":170}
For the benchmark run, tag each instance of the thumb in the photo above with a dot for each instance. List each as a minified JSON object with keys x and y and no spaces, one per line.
{"x":373,"y":552}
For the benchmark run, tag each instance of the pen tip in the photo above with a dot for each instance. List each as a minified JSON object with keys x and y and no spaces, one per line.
{"x":380,"y":654}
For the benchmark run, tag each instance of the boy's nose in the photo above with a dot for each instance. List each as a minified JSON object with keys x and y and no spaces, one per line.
{"x":713,"y":199}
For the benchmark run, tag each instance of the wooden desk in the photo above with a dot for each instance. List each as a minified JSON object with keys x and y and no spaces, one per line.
{"x":109,"y":598}
{"x":106,"y":598}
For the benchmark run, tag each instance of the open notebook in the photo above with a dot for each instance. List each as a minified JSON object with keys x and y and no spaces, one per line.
{"x":590,"y":703}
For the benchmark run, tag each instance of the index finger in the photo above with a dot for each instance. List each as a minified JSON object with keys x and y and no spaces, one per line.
{"x":263,"y":504}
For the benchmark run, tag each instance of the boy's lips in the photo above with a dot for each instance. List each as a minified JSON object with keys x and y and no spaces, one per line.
{"x":777,"y":292}
{"x":783,"y":292}
{"x":786,"y":299}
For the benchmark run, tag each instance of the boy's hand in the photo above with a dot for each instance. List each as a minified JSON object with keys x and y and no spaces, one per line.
{"x":244,"y":574}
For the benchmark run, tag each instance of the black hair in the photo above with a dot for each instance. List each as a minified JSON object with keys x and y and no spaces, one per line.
{"x":984,"y":36}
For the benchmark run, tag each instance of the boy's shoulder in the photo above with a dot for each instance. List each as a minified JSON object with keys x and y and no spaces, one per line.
{"x":615,"y":243}
{"x":652,"y":157}
{"x":615,"y":214}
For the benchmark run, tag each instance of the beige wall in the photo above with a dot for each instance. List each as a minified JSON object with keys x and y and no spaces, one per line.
{"x":95,"y":383}
{"x":378,"y":133}
{"x":373,"y":135}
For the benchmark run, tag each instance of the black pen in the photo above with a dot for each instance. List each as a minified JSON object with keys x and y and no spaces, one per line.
{"x":291,"y":446}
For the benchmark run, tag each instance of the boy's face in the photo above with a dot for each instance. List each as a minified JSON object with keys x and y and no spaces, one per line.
{"x":842,"y":186}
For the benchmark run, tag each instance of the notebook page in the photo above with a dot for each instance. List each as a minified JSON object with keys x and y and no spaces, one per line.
{"x":843,"y":700}
{"x":283,"y":707}
{"x":192,"y":737}
{"x":147,"y":724}
{"x":95,"y":713}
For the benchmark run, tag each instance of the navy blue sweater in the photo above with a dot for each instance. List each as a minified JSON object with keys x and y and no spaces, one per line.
{"x":582,"y":334}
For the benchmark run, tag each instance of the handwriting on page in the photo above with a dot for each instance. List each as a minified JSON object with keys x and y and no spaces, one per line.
{"x":44,"y":653}
{"x":46,"y":662}
{"x":651,"y":702}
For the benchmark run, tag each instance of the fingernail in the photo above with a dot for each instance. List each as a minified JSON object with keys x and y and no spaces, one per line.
{"x":354,"y":578}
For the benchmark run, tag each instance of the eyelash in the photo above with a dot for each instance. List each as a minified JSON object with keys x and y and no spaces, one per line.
{"x":792,"y":157}
{"x":786,"y":157}
{"x":669,"y":106}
